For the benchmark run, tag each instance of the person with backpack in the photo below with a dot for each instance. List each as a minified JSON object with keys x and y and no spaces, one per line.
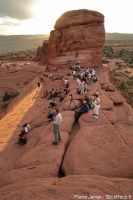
{"x":22,"y":140}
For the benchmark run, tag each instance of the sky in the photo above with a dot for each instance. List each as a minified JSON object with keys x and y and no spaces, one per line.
{"x":18,"y":17}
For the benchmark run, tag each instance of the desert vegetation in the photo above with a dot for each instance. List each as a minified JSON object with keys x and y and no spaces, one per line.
{"x":120,"y":48}
{"x":19,"y":55}
{"x":122,"y":78}
{"x":9,"y":95}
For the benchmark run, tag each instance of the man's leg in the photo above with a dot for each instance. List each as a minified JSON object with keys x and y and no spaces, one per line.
{"x":96,"y":112}
{"x":55,"y":130}
{"x":59,"y":135}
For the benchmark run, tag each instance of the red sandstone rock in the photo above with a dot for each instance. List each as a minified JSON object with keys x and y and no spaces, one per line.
{"x":106,"y":103}
{"x":107,"y":87}
{"x":68,"y":188}
{"x":98,"y":150}
{"x":110,"y":116}
{"x":81,"y":30}
{"x":44,"y":154}
{"x":68,"y":120}
{"x":86,"y":120}
{"x":116,"y":98}
{"x":41,"y":54}
{"x":78,"y":17}
{"x":70,"y":106}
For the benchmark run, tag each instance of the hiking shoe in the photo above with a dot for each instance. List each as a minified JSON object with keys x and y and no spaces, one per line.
{"x":96,"y":117}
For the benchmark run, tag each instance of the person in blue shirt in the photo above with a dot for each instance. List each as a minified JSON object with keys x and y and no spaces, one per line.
{"x":84,"y":109}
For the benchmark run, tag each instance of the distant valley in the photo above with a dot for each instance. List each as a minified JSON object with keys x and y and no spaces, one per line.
{"x":16,"y":43}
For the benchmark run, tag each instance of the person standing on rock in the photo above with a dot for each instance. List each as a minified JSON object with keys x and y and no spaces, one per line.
{"x":82,"y":87}
{"x":56,"y":126}
{"x":96,"y":103}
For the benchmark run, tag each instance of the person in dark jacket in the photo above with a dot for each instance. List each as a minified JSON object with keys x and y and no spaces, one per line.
{"x":84,"y":109}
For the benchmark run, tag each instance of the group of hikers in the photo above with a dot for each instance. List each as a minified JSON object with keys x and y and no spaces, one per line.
{"x":83,"y":78}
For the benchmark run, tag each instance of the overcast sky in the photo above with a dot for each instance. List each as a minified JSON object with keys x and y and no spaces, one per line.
{"x":39,"y":16}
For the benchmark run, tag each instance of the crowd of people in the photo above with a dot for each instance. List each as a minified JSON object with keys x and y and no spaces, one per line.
{"x":83,"y":78}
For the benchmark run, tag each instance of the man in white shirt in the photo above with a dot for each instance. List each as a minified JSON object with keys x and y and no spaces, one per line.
{"x":56,"y":126}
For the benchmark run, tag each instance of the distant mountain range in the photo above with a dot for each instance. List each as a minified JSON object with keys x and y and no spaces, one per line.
{"x":15,"y":43}
{"x":119,"y":36}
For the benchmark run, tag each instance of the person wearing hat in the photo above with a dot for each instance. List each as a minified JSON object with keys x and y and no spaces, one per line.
{"x":96,"y":103}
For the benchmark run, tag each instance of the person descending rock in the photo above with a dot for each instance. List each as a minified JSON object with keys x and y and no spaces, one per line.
{"x":56,"y":126}
{"x":96,"y":103}
{"x":26,"y":128}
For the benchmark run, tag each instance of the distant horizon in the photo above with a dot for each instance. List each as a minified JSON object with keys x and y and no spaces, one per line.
{"x":49,"y":34}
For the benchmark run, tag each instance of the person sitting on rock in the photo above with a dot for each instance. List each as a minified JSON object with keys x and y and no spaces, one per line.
{"x":70,"y":71}
{"x":94,"y":78}
{"x":84,"y":109}
{"x":53,"y":91}
{"x":61,"y":98}
{"x":56,"y":93}
{"x":89,"y":101}
{"x":74,"y":74}
{"x":52,"y":103}
{"x":50,"y":76}
{"x":93,"y":73}
{"x":50,"y":95}
{"x":78,"y":85}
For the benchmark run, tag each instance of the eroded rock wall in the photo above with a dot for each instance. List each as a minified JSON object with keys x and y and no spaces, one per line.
{"x":78,"y":30}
